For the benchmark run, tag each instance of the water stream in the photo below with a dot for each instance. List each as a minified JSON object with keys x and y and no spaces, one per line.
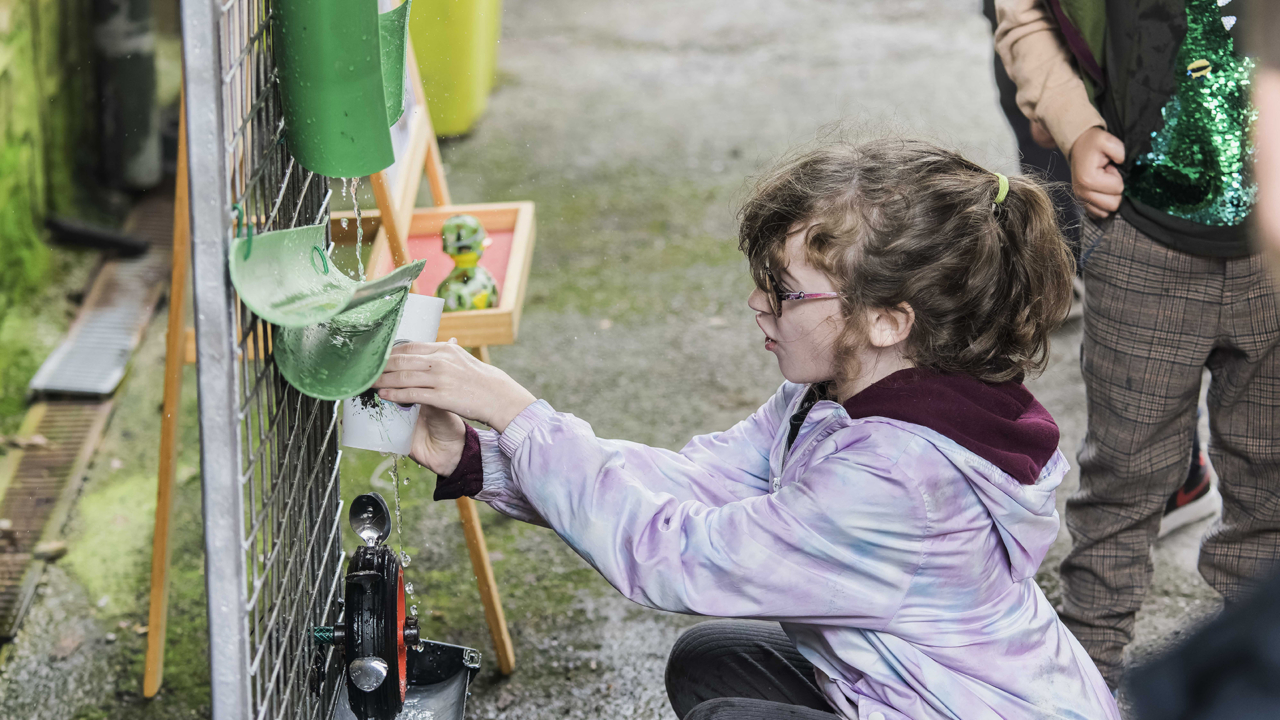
{"x":355,"y":201}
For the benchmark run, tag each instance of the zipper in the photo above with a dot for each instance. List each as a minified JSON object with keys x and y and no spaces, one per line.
{"x":797,"y":450}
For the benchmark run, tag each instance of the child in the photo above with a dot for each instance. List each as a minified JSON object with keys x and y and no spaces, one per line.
{"x":888,"y":506}
{"x":1156,"y":126}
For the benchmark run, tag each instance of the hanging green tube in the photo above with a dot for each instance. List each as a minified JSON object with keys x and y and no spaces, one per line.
{"x":341,"y":70}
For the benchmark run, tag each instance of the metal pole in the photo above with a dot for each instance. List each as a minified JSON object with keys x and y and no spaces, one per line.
{"x":225,"y":578}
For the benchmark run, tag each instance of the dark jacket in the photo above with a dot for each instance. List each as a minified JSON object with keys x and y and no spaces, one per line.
{"x":1127,"y":54}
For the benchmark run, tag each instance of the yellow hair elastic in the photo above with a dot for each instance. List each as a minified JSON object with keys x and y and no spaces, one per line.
{"x":1004,"y":188}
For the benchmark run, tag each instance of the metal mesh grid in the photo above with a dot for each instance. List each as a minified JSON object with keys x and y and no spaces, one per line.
{"x":285,"y":444}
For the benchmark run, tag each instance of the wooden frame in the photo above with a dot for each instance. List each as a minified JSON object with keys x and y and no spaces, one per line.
{"x":472,"y":328}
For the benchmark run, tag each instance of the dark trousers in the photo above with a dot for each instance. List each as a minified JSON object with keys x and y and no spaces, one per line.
{"x":742,"y":670}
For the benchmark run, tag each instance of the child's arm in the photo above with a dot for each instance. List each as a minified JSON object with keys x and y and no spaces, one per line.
{"x":842,"y":543}
{"x":1049,"y":89}
{"x":714,"y":469}
{"x":1050,"y":92}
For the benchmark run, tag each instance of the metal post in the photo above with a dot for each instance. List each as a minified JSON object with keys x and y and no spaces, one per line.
{"x":215,"y":370}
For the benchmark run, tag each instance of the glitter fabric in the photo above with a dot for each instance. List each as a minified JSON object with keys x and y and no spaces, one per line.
{"x":1199,"y":164}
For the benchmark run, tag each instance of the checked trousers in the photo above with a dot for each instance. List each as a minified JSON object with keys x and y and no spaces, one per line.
{"x":1154,"y":319}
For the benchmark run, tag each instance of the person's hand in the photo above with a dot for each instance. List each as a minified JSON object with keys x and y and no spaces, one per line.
{"x":1094,"y":176}
{"x":438,"y":440}
{"x":445,"y":376}
{"x":1041,"y":136}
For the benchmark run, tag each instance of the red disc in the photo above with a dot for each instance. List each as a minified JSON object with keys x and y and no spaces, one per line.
{"x":400,"y":648}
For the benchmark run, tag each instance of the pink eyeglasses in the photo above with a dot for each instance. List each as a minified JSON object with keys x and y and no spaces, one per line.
{"x":775,"y":296}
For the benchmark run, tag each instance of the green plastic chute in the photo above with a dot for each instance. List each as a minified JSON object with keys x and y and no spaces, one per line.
{"x":334,"y":334}
{"x":341,"y":82}
{"x":341,"y":357}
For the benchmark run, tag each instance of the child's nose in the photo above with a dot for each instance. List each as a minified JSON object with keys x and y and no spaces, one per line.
{"x":758,"y":302}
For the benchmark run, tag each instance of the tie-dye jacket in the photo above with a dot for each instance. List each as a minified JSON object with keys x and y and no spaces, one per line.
{"x":901,"y":564}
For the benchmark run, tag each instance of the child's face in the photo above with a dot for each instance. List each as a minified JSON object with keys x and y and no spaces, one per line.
{"x":803,"y":337}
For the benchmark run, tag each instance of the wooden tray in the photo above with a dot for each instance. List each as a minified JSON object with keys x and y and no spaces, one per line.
{"x":510,"y":225}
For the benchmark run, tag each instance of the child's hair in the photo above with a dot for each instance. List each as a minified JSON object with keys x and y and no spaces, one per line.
{"x":896,"y":222}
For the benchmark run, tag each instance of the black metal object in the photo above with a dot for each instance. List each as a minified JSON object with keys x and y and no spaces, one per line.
{"x":387,"y":661}
{"x":375,"y":629}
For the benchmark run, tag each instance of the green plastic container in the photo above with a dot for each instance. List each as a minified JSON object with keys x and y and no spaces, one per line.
{"x":456,"y":44}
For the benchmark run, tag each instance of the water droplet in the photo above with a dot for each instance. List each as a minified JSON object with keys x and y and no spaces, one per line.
{"x":404,"y":559}
{"x":344,"y":223}
{"x":408,"y":588}
{"x":413,"y":610}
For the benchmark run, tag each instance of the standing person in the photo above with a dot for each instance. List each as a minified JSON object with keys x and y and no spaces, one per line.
{"x":1149,"y":100}
{"x":1197,"y":498}
{"x":886,"y":510}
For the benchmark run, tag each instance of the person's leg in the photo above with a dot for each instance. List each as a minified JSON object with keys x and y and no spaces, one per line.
{"x":1244,"y":422}
{"x":1148,"y":328}
{"x":753,"y":709}
{"x":739,"y":659}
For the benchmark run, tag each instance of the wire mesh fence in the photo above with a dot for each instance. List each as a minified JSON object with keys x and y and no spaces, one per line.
{"x":269,"y":454}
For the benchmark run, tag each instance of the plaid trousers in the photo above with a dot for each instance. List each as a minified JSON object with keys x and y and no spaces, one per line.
{"x":1154,"y":318}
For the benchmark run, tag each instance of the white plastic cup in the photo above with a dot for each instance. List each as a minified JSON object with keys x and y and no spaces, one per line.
{"x":385,"y":426}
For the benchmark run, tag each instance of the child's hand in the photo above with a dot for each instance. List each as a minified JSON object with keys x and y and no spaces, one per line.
{"x":438,"y":440}
{"x":1094,"y":176}
{"x":448,"y":377}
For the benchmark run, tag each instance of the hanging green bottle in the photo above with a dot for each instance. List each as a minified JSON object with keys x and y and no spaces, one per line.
{"x":1199,"y":165}
{"x":468,"y":286}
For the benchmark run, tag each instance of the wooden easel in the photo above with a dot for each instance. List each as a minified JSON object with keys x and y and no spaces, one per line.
{"x":396,"y":199}
{"x":396,"y":204}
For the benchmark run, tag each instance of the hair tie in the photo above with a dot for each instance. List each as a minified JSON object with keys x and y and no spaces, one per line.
{"x":1004,"y":188}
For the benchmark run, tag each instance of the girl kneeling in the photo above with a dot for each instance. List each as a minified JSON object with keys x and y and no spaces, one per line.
{"x":888,"y":507}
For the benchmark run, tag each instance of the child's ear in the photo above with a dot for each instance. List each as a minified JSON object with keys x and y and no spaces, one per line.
{"x":890,"y":326}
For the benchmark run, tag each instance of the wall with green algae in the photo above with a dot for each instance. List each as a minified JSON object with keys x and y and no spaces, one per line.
{"x":45,"y":83}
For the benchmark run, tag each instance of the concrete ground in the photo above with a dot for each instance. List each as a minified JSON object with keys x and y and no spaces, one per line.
{"x":633,"y":127}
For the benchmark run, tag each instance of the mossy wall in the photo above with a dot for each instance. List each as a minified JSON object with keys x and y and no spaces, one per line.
{"x":45,"y":115}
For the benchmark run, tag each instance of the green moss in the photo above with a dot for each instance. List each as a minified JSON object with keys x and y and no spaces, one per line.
{"x":110,"y":536}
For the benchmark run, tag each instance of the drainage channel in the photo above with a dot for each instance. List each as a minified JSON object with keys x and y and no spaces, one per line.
{"x":39,"y":495}
{"x":39,"y":483}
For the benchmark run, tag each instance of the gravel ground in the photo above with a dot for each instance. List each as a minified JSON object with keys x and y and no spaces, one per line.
{"x":633,"y":126}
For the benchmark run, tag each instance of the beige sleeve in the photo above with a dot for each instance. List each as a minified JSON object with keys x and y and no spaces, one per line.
{"x":1039,"y":63}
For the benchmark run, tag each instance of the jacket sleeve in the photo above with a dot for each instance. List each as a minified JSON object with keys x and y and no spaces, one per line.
{"x":1039,"y":63}
{"x":713,"y":469}
{"x":842,"y":543}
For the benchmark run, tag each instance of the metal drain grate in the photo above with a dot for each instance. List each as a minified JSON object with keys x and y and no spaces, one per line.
{"x":39,"y":495}
{"x":92,"y":358}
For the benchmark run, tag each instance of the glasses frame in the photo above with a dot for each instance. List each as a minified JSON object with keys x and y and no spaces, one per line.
{"x":776,"y":297}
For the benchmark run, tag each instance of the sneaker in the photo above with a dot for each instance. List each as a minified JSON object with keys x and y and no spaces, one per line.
{"x":1197,"y":499}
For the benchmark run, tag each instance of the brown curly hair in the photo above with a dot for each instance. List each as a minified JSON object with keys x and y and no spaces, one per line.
{"x":901,"y":221}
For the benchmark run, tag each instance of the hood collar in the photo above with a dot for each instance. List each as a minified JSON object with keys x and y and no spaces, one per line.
{"x":1001,"y":423}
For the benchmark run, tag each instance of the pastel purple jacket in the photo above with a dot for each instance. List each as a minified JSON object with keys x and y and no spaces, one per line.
{"x":900,"y":563}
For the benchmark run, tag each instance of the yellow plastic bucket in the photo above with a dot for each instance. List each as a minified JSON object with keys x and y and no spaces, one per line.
{"x":456,"y":45}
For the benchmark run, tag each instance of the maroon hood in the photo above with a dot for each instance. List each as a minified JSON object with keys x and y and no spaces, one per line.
{"x":1001,"y":423}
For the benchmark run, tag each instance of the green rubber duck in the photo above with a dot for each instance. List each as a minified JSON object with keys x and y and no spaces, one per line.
{"x":468,"y":286}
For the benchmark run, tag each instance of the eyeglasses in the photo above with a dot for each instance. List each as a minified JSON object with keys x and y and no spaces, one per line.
{"x":770,"y":287}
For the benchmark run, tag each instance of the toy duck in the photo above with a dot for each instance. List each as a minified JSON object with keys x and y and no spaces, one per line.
{"x":468,"y":286}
